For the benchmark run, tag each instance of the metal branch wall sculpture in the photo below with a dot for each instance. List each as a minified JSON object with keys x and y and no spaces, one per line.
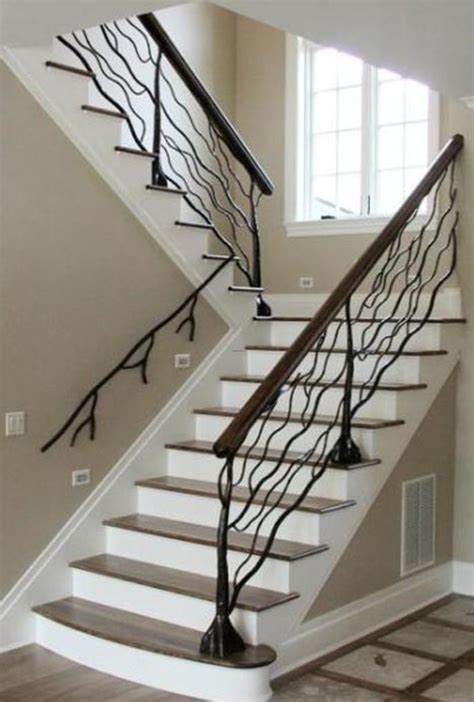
{"x":84,"y":416}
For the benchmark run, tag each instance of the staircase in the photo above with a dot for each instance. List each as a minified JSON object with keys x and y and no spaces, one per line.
{"x":138,"y":606}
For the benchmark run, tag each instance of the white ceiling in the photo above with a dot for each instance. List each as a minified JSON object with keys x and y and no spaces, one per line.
{"x":431,"y":40}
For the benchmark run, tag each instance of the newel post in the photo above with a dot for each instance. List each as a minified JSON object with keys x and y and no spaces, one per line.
{"x":222,"y":639}
{"x":346,"y":451}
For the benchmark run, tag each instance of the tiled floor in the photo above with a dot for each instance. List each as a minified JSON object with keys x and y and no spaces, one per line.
{"x":427,"y":656}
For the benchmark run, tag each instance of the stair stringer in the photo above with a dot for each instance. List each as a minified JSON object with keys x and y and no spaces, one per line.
{"x":49,"y":576}
{"x":61,"y":96}
{"x":309,"y":575}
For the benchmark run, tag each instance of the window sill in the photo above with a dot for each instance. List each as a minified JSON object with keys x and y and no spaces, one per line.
{"x":346,"y":227}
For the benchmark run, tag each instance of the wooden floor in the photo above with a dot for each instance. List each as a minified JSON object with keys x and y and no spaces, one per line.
{"x":33,"y":674}
{"x":427,"y":656}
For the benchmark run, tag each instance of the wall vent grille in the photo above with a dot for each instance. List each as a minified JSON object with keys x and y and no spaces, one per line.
{"x":418,"y":523}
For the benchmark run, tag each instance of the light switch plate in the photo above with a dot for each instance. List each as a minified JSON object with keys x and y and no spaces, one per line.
{"x":306,"y":282}
{"x":15,"y":424}
{"x":81,"y":477}
{"x":182,"y":360}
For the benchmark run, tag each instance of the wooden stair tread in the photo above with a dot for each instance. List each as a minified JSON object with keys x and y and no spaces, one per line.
{"x":198,"y":534}
{"x":201,"y":587}
{"x":245,"y":289}
{"x":431,"y":320}
{"x":316,"y":505}
{"x":219,"y":257}
{"x":324,"y":419}
{"x":398,"y":387}
{"x":271,"y":454}
{"x":194,"y":225}
{"x":136,"y":152}
{"x":103,"y":111}
{"x":427,"y":352}
{"x":70,"y":69}
{"x":165,"y":189}
{"x":144,"y":633}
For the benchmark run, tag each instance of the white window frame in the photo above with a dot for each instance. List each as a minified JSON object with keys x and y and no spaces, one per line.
{"x":296,"y":180}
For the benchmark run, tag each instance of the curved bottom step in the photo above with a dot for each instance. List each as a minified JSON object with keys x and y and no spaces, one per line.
{"x":151,"y":652}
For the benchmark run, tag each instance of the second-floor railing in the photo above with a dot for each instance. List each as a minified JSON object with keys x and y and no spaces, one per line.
{"x":281,"y":442}
{"x":170,"y":114}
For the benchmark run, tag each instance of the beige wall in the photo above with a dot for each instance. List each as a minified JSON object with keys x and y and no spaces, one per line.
{"x":206,"y":35}
{"x":372,"y":559}
{"x":461,"y":120}
{"x":81,"y":281}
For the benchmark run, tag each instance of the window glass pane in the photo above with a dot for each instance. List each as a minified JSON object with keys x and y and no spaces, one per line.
{"x":390,"y":103}
{"x":412,"y":178}
{"x":390,"y":147}
{"x":389,"y":191}
{"x":324,"y":195}
{"x":416,"y":100}
{"x":350,"y":108}
{"x":348,"y":190}
{"x":416,"y":144}
{"x":324,"y":69}
{"x":349,"y":152}
{"x":325,"y":111}
{"x":383,"y":74}
{"x":349,"y":70}
{"x":324,"y":153}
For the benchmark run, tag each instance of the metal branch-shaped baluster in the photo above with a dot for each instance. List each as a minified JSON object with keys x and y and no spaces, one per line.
{"x":157,"y":174}
{"x":269,"y":470}
{"x":221,"y":639}
{"x":200,"y":156}
{"x":346,"y":451}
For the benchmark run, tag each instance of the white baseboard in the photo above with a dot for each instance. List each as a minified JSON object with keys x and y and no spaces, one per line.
{"x":357,"y":619}
{"x":463,"y":578}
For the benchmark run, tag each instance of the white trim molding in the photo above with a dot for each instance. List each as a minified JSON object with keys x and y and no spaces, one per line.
{"x":48,"y":577}
{"x":463,"y":578}
{"x":347,"y":226}
{"x":361,"y":617}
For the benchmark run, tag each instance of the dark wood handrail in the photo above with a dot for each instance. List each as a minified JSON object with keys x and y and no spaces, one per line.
{"x":232,"y":138}
{"x":236,"y":431}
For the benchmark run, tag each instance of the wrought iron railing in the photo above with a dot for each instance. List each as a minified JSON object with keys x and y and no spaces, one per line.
{"x":170,"y":114}
{"x":397,"y":281}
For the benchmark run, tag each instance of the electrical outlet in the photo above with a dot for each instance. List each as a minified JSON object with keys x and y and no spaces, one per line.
{"x":15,"y":424}
{"x":182,"y":360}
{"x":306,"y":282}
{"x":81,"y":477}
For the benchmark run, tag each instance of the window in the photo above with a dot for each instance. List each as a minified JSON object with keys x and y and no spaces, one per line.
{"x":365,"y":136}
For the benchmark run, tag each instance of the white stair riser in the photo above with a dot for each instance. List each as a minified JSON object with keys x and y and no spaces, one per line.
{"x":210,"y":427}
{"x":404,"y":370}
{"x":428,"y":337}
{"x":196,"y":558}
{"x":178,"y":675}
{"x":298,"y":526}
{"x":382,"y":404}
{"x":204,"y":466}
{"x":184,"y":610}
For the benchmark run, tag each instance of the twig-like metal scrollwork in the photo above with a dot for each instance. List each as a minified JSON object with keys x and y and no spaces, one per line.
{"x":137,"y":358}
{"x":311,"y":425}
{"x":192,"y":154}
